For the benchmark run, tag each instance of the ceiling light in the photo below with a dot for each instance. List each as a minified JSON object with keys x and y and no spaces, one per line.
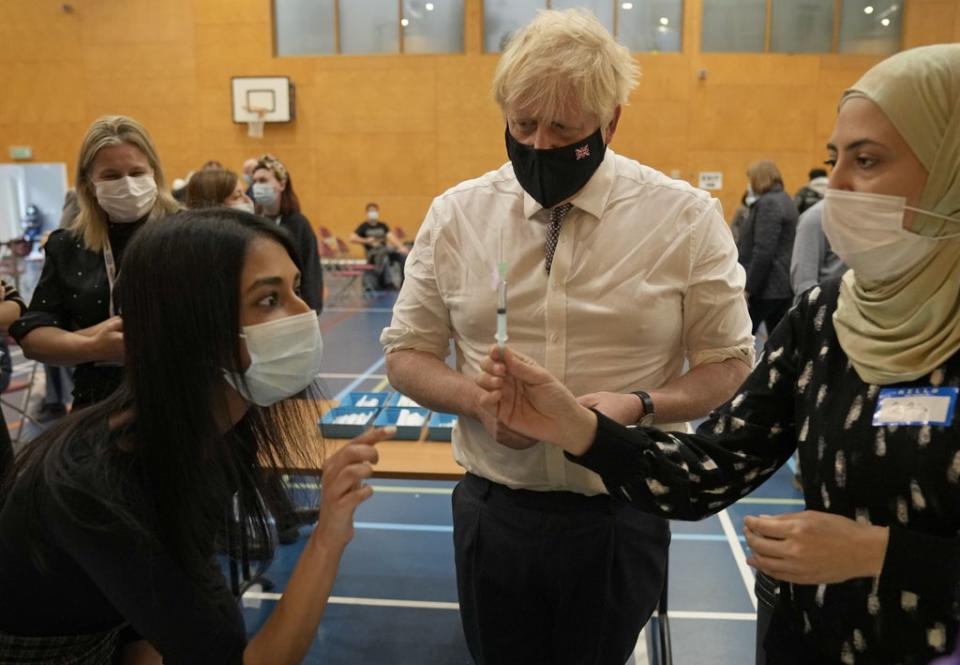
{"x":885,"y":22}
{"x":404,"y":22}
{"x":627,"y":5}
{"x":664,"y":21}
{"x":868,"y":9}
{"x":428,"y":6}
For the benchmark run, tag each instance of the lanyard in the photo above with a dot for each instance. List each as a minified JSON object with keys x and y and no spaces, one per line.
{"x":111,"y":272}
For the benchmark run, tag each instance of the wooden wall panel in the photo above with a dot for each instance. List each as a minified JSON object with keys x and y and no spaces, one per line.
{"x":397,"y":129}
{"x":930,"y":22}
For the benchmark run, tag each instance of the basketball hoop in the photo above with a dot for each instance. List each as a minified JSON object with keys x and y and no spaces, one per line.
{"x":255,"y":127}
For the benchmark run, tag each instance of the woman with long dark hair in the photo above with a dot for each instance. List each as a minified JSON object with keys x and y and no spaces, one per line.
{"x":109,"y":520}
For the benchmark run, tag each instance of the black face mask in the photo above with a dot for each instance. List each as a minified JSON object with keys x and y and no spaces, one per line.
{"x":553,"y":175}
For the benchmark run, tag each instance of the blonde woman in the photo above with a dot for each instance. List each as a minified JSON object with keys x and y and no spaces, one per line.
{"x":72,"y":318}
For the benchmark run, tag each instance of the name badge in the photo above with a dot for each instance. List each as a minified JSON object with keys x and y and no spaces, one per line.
{"x":915,"y":406}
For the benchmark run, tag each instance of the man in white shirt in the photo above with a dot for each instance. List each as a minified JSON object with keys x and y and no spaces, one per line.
{"x":617,"y":275}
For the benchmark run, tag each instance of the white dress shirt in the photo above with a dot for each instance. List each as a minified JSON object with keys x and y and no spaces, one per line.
{"x":645,"y":276}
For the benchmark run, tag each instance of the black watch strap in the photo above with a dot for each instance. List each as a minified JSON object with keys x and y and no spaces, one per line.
{"x":648,"y":416}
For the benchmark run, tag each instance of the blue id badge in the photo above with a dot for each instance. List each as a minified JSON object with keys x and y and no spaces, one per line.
{"x":915,"y":406}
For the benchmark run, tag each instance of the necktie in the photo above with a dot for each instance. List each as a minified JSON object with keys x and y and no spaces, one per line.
{"x":553,"y":231}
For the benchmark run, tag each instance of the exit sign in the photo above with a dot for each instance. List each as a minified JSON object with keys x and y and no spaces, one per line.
{"x":21,"y":152}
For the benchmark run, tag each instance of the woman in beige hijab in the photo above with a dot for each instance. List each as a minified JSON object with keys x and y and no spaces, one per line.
{"x":861,"y":377}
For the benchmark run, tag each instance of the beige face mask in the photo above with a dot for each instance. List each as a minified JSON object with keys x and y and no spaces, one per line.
{"x":127,"y":199}
{"x":866,"y":231}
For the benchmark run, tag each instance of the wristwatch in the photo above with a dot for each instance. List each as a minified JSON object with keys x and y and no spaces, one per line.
{"x":649,"y":413}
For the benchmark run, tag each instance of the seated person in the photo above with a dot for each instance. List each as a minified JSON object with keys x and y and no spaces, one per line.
{"x":383,"y":251}
{"x":109,"y":520}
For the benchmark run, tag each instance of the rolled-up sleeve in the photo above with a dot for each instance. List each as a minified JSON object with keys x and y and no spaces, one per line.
{"x":716,"y":323}
{"x":421,"y":320}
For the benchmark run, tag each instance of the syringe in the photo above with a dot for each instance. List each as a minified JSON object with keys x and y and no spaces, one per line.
{"x":502,"y":307}
{"x":501,"y":297}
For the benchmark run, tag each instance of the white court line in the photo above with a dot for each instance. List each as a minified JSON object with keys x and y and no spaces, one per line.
{"x":738,"y":556}
{"x":342,"y":375}
{"x":361,"y":378}
{"x":371,"y":602}
{"x":438,"y":605}
{"x":640,"y":655}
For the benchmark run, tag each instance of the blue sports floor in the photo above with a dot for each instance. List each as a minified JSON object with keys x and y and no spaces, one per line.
{"x":395,"y":598}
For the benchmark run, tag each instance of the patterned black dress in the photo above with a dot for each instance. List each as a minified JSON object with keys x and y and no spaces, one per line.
{"x":804,"y":394}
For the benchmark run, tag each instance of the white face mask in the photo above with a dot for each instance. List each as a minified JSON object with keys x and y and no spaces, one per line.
{"x":866,"y":231}
{"x":127,"y":199}
{"x":285,"y":358}
{"x":264,"y":194}
{"x":246,"y":206}
{"x":372,"y":214}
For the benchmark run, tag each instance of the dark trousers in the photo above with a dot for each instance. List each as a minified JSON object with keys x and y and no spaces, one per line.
{"x":6,"y":449}
{"x":766,"y":589}
{"x":768,"y":311}
{"x":553,"y":578}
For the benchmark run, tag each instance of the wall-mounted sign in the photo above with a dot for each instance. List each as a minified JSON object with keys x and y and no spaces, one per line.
{"x":712,"y":180}
{"x":19,"y":152}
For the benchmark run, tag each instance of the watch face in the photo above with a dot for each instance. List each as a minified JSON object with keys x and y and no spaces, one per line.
{"x":647,"y":420}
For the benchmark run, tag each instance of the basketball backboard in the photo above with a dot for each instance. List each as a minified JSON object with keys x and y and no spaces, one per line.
{"x":262,"y":98}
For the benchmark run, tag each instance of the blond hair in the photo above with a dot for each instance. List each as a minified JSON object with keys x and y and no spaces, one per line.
{"x":763,"y":176}
{"x":563,"y":60}
{"x":105,"y":132}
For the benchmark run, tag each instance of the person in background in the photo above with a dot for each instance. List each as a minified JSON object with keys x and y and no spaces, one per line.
{"x":766,"y":245}
{"x":11,"y":308}
{"x":861,"y":377}
{"x":275,"y":199}
{"x":812,"y":192}
{"x":741,"y":214}
{"x":110,"y":518}
{"x":178,"y":189}
{"x":619,"y":277}
{"x":246,"y":171}
{"x":73,"y":319}
{"x":210,"y":188}
{"x":382,"y":250}
{"x":813,"y":261}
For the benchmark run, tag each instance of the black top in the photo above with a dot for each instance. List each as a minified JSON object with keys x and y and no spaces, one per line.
{"x":73,"y":293}
{"x":311,"y":278}
{"x":101,"y":574}
{"x":805,"y":394}
{"x":766,"y":245}
{"x":377,"y":230}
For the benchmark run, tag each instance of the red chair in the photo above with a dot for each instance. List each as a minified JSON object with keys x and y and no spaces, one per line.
{"x":326,"y":251}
